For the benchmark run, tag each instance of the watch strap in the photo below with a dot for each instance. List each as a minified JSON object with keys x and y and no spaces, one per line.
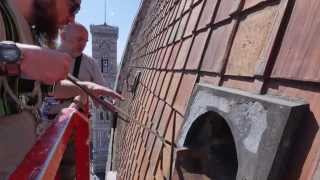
{"x":10,"y":69}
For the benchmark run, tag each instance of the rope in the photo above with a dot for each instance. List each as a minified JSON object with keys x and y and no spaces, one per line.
{"x":36,"y":92}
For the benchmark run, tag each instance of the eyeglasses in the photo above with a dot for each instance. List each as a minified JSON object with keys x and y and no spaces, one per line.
{"x":74,"y":7}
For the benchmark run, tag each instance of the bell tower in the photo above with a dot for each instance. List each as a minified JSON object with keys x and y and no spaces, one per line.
{"x":104,"y":51}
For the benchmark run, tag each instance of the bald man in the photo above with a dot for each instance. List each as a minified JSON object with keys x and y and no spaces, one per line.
{"x":74,"y":38}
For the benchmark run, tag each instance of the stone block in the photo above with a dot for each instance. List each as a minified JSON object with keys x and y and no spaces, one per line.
{"x":262,"y":129}
{"x":254,"y":34}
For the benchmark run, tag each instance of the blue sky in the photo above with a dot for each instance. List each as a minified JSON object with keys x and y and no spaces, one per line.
{"x":120,"y":13}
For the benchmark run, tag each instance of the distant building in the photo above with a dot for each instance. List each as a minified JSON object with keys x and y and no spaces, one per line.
{"x":104,"y":50}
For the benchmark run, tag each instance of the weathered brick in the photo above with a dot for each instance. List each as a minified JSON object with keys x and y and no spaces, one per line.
{"x":253,"y":35}
{"x":144,"y":167}
{"x":226,"y":8}
{"x":251,"y":3}
{"x":145,"y":98}
{"x":176,"y":11}
{"x":207,"y":13}
{"x":165,"y":85}
{"x":178,"y":123}
{"x":140,"y":155}
{"x":150,"y":98}
{"x":156,"y":58}
{"x":193,"y":20}
{"x":197,"y":50}
{"x":157,"y":114}
{"x":174,"y":84}
{"x":174,"y":126}
{"x":167,"y":17}
{"x":183,"y":53}
{"x":217,"y":50}
{"x":173,"y":56}
{"x":155,"y":81}
{"x":210,"y":79}
{"x":181,"y":7}
{"x":159,"y":83}
{"x":153,"y":107}
{"x":159,"y":61}
{"x":159,"y":173}
{"x":169,"y":131}
{"x":187,"y":5}
{"x":166,"y":160}
{"x":150,"y":79}
{"x":166,"y":57}
{"x":182,"y":26}
{"x":174,"y":32}
{"x":164,"y":120}
{"x":169,"y":31}
{"x":149,"y":144}
{"x":155,"y":156}
{"x":184,"y":92}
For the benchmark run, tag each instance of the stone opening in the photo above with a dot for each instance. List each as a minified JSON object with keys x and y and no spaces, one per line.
{"x":209,"y":150}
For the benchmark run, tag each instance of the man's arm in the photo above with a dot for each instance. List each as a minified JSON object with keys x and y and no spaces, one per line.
{"x":66,"y":89}
{"x":43,"y":64}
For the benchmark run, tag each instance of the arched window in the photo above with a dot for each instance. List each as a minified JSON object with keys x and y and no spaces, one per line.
{"x":209,"y":150}
{"x":104,"y":64}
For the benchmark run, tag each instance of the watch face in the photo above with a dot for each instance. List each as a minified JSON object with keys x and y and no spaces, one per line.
{"x":9,"y":53}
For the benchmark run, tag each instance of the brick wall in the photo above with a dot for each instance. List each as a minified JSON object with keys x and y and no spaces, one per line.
{"x":259,"y":46}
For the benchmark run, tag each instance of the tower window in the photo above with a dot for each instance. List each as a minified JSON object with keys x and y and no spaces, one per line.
{"x":104,"y":64}
{"x":101,"y":116}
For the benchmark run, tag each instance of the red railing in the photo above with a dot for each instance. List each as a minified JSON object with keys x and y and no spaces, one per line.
{"x":43,"y":161}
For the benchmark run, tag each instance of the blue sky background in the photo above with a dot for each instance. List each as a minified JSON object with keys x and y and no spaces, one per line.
{"x":120,"y":13}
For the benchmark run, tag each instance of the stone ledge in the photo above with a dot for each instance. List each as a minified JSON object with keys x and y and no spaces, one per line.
{"x":262,"y":126}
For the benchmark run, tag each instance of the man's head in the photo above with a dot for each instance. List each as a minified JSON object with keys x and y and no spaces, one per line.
{"x":49,"y":15}
{"x":74,"y":38}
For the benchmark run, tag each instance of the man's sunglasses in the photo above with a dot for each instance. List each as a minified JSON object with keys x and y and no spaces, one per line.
{"x":74,"y":7}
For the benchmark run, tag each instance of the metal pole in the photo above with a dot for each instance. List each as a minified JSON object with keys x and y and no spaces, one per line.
{"x":107,"y":105}
{"x":104,"y":103}
{"x":105,"y":12}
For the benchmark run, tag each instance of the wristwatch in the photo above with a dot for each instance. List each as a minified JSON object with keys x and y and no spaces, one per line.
{"x":10,"y":56}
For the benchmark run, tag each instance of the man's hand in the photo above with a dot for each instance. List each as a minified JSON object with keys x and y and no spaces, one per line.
{"x":66,"y":89}
{"x":45,"y":65}
{"x":99,"y":90}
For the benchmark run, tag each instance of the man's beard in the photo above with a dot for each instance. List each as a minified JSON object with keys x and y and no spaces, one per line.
{"x":45,"y":21}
